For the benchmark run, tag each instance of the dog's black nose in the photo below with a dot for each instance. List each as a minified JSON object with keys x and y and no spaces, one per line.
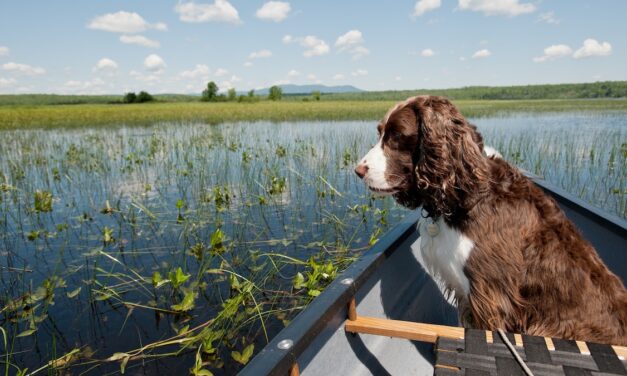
{"x":361,"y":170}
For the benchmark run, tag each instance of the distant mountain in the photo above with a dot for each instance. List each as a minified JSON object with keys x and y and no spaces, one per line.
{"x":308,"y":89}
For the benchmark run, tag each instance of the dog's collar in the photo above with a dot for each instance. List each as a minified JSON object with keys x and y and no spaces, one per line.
{"x":428,"y":226}
{"x":425,"y":214}
{"x":433,"y":229}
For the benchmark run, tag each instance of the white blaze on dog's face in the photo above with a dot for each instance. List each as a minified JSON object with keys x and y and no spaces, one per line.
{"x":388,"y":167}
{"x":375,"y":162}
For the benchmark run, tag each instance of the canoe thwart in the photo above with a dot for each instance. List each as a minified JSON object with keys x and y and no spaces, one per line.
{"x":402,"y":329}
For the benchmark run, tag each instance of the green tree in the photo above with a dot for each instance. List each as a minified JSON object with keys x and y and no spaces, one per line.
{"x":232,"y":94}
{"x":130,"y":97}
{"x":275,"y":93}
{"x":315,"y":95}
{"x":210,"y":94}
{"x":144,"y":97}
{"x":251,"y":93}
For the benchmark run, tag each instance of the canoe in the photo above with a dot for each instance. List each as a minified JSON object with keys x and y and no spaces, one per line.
{"x":388,"y":281}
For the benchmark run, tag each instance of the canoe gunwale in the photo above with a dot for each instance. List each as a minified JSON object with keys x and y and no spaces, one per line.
{"x":312,"y":320}
{"x":610,"y":221}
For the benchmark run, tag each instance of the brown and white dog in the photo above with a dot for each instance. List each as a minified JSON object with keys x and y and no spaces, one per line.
{"x":503,"y":248}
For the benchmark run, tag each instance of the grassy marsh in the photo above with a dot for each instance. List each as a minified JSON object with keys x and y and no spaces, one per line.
{"x":77,"y":116}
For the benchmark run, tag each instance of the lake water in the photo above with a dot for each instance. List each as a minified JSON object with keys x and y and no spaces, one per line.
{"x":117,"y":238}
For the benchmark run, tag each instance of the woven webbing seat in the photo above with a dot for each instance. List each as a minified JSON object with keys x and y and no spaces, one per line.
{"x":462,"y":351}
{"x":476,"y":354}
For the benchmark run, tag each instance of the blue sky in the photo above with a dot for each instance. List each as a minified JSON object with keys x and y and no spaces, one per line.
{"x":99,"y":47}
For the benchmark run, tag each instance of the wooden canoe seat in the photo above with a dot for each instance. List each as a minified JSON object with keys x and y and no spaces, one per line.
{"x":462,"y":351}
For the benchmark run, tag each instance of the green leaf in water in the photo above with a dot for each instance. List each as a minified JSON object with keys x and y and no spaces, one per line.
{"x":177,"y":277}
{"x":26,"y":333}
{"x":74,"y":293}
{"x":187,"y":303}
{"x":299,"y":281}
{"x":245,"y":355}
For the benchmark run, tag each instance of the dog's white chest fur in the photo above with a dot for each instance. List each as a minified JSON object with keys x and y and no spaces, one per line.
{"x":445,"y":251}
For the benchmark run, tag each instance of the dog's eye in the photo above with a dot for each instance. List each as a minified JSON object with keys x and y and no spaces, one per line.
{"x":394,"y":135}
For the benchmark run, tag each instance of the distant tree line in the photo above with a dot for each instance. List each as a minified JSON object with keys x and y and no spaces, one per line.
{"x":608,"y":89}
{"x":211,"y":94}
{"x":142,"y":97}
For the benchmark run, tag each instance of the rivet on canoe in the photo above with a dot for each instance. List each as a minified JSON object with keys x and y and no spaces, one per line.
{"x":347,"y":281}
{"x":285,"y":344}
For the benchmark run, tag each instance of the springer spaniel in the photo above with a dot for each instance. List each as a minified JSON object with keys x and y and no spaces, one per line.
{"x":507,"y":253}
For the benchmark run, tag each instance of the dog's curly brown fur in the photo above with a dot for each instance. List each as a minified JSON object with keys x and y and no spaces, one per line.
{"x":530,"y":270}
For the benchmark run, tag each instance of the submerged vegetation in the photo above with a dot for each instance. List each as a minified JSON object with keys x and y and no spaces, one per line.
{"x":179,"y":245}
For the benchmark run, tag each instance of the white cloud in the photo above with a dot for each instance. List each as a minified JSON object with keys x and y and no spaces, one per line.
{"x":6,"y":82}
{"x":139,"y":40}
{"x":154,"y":63}
{"x":398,"y":78}
{"x":4,"y":51}
{"x":260,"y":54}
{"x":160,"y":26}
{"x":313,"y":45}
{"x":219,"y":11}
{"x":352,"y":42}
{"x":275,"y":11}
{"x":359,"y":72}
{"x":554,"y":52}
{"x":338,"y":77}
{"x":124,"y":22}
{"x":151,"y":78}
{"x":481,"y":54}
{"x":350,"y":39}
{"x":282,"y":82}
{"x":225,"y":85}
{"x":199,"y":71}
{"x":221,"y":72}
{"x":23,"y":69}
{"x":427,"y":52}
{"x":248,"y":64}
{"x":359,"y":52}
{"x":591,"y":47}
{"x":235,"y":78}
{"x":293,"y":73}
{"x":509,"y":8}
{"x":548,"y":17}
{"x":424,"y":6}
{"x":105,"y":64}
{"x":312,"y":77}
{"x":93,"y":86}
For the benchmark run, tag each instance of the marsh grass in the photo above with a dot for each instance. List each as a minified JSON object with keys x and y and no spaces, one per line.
{"x":79,"y":116}
{"x":585,"y":155}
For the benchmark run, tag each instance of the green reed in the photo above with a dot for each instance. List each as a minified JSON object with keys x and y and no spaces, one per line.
{"x":89,"y":115}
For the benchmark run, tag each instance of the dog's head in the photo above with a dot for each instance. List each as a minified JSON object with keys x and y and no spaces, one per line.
{"x":427,"y":155}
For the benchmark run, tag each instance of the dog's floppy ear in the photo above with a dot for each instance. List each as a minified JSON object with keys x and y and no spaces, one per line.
{"x":449,"y":164}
